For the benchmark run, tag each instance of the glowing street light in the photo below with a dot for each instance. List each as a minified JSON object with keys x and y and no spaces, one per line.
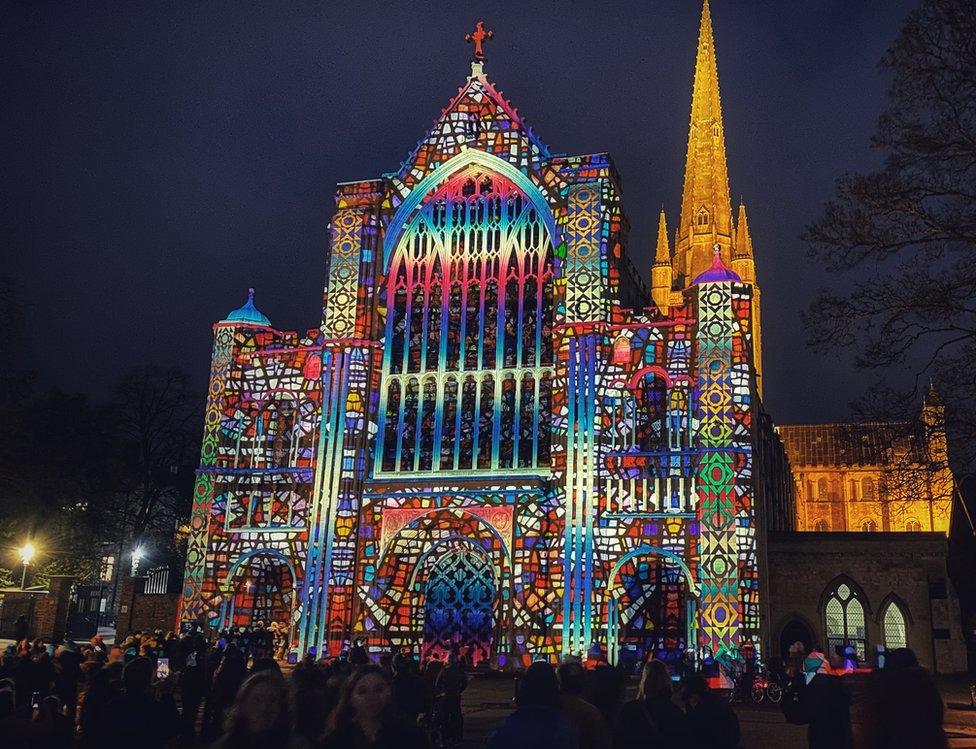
{"x":27,"y":553}
{"x":137,"y":554}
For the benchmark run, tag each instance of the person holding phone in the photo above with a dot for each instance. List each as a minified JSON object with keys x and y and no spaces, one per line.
{"x":142,"y":717}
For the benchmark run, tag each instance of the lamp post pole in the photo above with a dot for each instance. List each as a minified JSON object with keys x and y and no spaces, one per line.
{"x":27,"y":552}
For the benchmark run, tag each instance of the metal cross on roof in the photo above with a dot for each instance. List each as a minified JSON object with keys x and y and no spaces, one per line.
{"x":478,"y":38}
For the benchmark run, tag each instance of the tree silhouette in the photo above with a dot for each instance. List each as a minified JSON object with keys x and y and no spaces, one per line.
{"x":906,"y":234}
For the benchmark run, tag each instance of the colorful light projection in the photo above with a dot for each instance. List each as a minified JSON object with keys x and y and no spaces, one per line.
{"x":495,"y":441}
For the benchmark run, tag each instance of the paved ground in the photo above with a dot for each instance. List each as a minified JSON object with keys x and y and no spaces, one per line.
{"x":488,"y":701}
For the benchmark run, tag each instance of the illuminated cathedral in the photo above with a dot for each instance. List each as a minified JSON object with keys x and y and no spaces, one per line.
{"x":500,"y":441}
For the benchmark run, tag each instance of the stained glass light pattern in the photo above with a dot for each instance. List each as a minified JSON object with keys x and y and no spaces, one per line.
{"x":458,"y":611}
{"x":468,"y":335}
{"x":488,"y":376}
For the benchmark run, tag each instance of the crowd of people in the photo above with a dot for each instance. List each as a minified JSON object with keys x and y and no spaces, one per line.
{"x":229,"y":691}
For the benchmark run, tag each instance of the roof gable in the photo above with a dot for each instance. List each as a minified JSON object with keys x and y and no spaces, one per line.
{"x":478,"y":117}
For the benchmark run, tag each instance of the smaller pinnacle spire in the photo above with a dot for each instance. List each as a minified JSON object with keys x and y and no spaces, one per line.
{"x":743,"y":240}
{"x":662,"y":254}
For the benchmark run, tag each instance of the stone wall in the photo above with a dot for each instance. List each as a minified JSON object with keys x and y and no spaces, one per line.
{"x":907,"y":567}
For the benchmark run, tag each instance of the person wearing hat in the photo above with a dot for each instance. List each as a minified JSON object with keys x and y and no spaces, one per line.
{"x":820,"y":700}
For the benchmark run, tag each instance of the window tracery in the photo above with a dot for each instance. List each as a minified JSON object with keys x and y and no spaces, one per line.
{"x":469,"y":297}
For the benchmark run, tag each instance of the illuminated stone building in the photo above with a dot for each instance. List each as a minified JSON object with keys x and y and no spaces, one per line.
{"x":872,"y":477}
{"x":498,"y":440}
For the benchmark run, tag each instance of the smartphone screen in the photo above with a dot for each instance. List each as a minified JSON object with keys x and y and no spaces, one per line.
{"x":162,"y":668}
{"x":35,"y":700}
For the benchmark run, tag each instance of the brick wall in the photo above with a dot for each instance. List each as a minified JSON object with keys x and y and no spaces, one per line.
{"x":50,"y":608}
{"x":911,"y":566}
{"x":143,"y":612}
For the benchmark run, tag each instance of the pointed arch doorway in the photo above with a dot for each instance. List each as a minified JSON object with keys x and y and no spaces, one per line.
{"x":262,"y":589}
{"x":459,"y":606}
{"x":652,"y":610}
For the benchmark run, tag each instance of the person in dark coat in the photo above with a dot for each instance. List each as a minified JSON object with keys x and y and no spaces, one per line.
{"x":358,"y":656}
{"x":21,"y":629}
{"x":902,"y":708}
{"x":227,"y":680}
{"x":451,"y":682}
{"x":138,"y":717}
{"x":538,"y":722}
{"x":653,"y":715}
{"x":192,"y":682}
{"x":584,"y":717}
{"x":712,"y":722}
{"x":365,"y":717}
{"x":818,"y":699}
{"x":16,"y":731}
{"x":67,"y":673}
{"x":605,"y":690}
{"x":104,"y":686}
{"x":41,"y":670}
{"x":314,"y":698}
{"x":55,"y":729}
{"x":411,"y":695}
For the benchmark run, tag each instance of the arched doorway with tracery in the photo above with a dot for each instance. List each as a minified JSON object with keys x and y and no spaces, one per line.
{"x":260,"y":589}
{"x":652,"y":607}
{"x":443,"y":583}
{"x":459,"y":601}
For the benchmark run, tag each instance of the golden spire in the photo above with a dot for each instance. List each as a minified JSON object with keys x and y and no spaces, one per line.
{"x":743,"y":241}
{"x":662,"y":277}
{"x":743,"y":262}
{"x":663,"y":252}
{"x":706,"y":209}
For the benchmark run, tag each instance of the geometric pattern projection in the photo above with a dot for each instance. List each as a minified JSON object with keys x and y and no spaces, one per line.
{"x":494,"y":440}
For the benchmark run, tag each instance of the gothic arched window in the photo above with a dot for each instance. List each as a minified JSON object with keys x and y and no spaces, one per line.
{"x":469,"y":288}
{"x":822,"y":489}
{"x":651,"y":407}
{"x":821,"y":526}
{"x":867,"y":489}
{"x":844,"y":620}
{"x":893,"y":627}
{"x":869,"y":526}
{"x":913,"y":526}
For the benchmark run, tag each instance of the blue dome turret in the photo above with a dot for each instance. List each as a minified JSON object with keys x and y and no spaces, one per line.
{"x":719,"y":272}
{"x":248,"y":313}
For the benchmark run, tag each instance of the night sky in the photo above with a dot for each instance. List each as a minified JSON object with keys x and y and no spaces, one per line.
{"x":159,"y":158}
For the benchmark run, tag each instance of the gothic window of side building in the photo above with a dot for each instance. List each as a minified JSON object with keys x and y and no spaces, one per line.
{"x":913,"y":526}
{"x":893,"y":627}
{"x":867,"y":489}
{"x":821,"y":525}
{"x":844,"y":618}
{"x":869,"y":526}
{"x":822,"y":489}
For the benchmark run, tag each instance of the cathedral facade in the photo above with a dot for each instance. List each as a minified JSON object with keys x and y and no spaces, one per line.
{"x":499,"y":441}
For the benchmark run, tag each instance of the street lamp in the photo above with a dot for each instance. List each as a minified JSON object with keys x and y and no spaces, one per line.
{"x":27,"y":552}
{"x":137,"y":554}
